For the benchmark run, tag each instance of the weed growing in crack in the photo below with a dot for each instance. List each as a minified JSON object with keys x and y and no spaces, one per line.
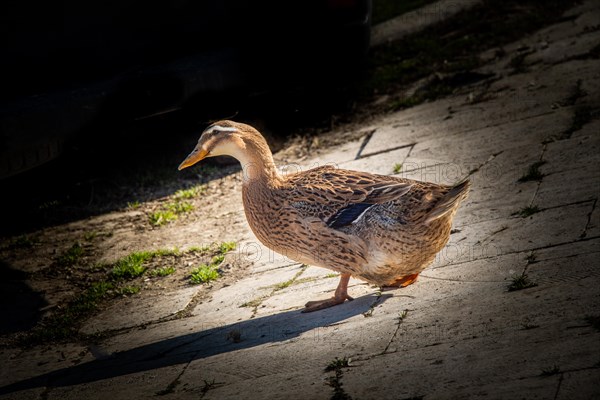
{"x":517,"y":63}
{"x":169,"y":389}
{"x":397,"y":168}
{"x":337,"y":363}
{"x":255,"y":302}
{"x":594,"y":321}
{"x":402,"y":316}
{"x":521,"y":282}
{"x":207,"y":386}
{"x":575,"y":95}
{"x":533,"y":172}
{"x":582,"y":115}
{"x":335,"y":381}
{"x":550,"y":371}
{"x":528,"y":211}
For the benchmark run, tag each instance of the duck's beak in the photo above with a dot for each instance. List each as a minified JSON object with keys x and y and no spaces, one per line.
{"x":196,"y":155}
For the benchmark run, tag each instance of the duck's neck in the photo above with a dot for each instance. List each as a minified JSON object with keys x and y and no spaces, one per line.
{"x":258,"y":165}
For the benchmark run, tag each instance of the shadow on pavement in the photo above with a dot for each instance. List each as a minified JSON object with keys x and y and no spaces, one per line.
{"x":186,"y":348}
{"x":19,"y":304}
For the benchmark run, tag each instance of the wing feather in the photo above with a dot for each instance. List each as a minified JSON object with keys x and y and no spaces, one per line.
{"x":340,"y":197}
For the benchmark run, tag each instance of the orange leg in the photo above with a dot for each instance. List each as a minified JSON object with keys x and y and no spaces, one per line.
{"x":341,"y":295}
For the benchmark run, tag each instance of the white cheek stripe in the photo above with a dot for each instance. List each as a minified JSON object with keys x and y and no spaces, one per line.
{"x":220,"y":128}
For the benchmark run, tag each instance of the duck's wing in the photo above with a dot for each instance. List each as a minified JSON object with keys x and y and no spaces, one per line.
{"x":339,"y":197}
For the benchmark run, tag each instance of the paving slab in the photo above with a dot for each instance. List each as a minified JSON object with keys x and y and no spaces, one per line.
{"x":129,"y":311}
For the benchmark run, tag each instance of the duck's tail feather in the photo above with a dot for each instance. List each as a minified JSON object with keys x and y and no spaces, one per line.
{"x":450,"y":201}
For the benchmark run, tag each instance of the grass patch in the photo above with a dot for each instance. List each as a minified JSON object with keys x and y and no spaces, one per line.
{"x":403,"y":103}
{"x":89,"y":236}
{"x":190,"y":193}
{"x":163,"y":271}
{"x":204,"y":274}
{"x":71,"y":256}
{"x":533,"y":172}
{"x":528,"y":211}
{"x":521,"y":282}
{"x":64,"y":323}
{"x":133,"y":205}
{"x":397,"y":168}
{"x":226,"y":247}
{"x":131,"y":266}
{"x":179,"y":207}
{"x":159,"y":218}
{"x":128,"y":290}
{"x":169,"y":212}
{"x":198,"y":249}
{"x":22,"y":242}
{"x":209,"y":272}
{"x":218,"y":259}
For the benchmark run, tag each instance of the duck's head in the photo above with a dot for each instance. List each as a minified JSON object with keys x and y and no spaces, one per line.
{"x":228,"y":138}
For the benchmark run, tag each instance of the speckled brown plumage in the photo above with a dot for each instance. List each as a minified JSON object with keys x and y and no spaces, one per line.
{"x":377,"y":228}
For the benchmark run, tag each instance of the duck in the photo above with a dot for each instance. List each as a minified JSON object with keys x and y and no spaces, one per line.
{"x":381,"y":229}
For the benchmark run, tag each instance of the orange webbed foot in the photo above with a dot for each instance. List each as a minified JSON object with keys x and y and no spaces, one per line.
{"x":402,"y":282}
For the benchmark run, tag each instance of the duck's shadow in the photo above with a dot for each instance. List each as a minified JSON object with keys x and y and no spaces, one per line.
{"x":204,"y":343}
